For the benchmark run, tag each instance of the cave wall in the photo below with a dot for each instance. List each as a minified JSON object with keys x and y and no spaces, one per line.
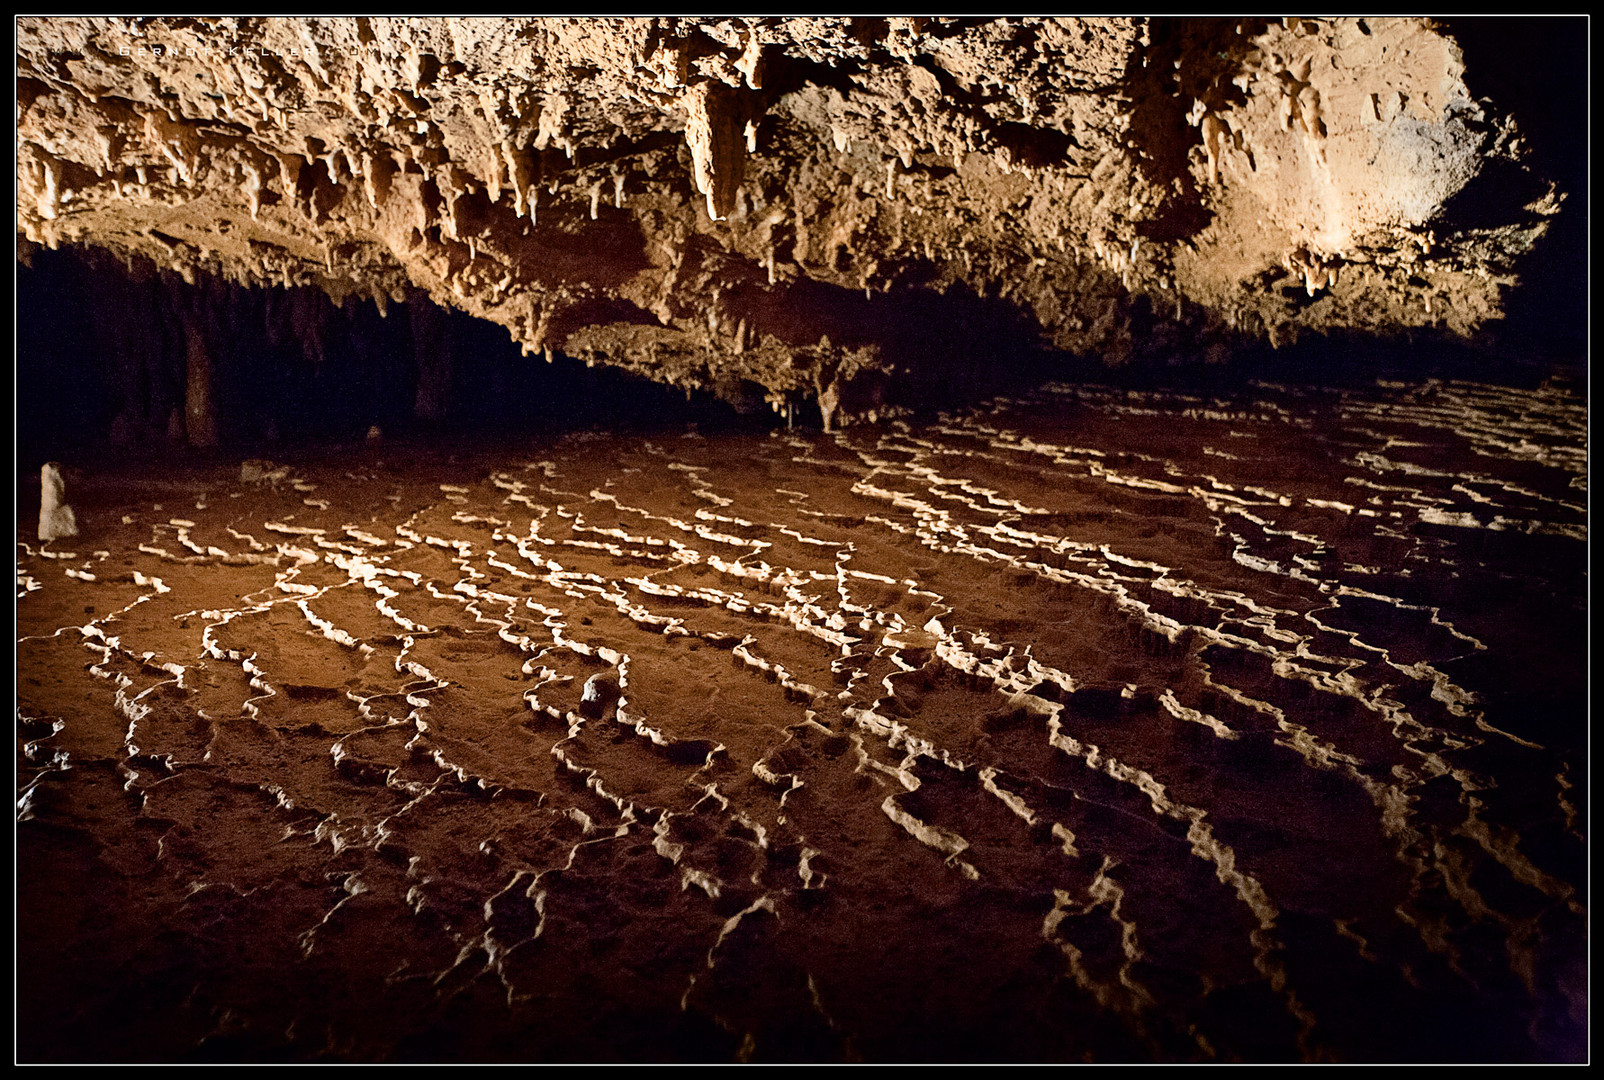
{"x":829,"y":210}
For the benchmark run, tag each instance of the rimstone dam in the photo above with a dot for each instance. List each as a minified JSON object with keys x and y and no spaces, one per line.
{"x":1016,"y":540}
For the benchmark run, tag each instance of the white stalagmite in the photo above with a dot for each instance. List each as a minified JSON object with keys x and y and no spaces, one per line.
{"x":56,"y":519}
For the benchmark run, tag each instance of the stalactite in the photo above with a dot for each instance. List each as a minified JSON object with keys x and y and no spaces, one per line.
{"x":553,"y":116}
{"x":200,"y":415}
{"x":714,"y":132}
{"x":49,"y":193}
{"x":418,"y":127}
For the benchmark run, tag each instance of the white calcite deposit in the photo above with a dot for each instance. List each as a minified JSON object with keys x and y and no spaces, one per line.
{"x":56,"y":519}
{"x":1112,"y":185}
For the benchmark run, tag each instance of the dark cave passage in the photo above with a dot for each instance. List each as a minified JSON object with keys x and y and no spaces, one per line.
{"x":102,"y":351}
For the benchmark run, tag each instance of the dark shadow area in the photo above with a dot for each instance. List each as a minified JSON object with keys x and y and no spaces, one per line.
{"x":944,"y":348}
{"x":102,"y":357}
{"x":1491,"y":198}
{"x":1535,"y":69}
{"x":1349,"y":360}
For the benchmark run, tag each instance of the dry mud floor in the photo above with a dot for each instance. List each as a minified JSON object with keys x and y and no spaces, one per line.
{"x":1095,"y":725}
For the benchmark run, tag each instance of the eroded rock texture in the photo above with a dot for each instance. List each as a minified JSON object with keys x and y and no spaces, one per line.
{"x":771,"y":203}
{"x":1105,"y":725}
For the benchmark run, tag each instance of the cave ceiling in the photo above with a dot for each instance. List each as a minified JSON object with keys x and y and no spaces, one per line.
{"x":782,"y":202}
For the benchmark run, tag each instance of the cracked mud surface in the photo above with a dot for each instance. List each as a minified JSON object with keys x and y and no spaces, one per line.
{"x":1095,"y":725}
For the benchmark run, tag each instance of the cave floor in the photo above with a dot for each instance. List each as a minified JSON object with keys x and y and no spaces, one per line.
{"x":1090,"y":725}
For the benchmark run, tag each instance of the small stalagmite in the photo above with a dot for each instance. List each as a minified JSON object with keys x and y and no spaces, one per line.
{"x":56,"y":519}
{"x":601,"y":691}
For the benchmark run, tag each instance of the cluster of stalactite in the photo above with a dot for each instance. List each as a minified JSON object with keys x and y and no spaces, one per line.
{"x":778,"y":201}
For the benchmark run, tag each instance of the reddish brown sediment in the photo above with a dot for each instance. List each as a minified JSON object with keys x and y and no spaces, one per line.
{"x":1097,"y":725}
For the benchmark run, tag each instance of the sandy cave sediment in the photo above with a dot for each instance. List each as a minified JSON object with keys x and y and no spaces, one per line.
{"x":1099,"y":725}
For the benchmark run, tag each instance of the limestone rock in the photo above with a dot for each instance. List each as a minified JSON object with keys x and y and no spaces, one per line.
{"x":1110,"y":185}
{"x":56,"y":519}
